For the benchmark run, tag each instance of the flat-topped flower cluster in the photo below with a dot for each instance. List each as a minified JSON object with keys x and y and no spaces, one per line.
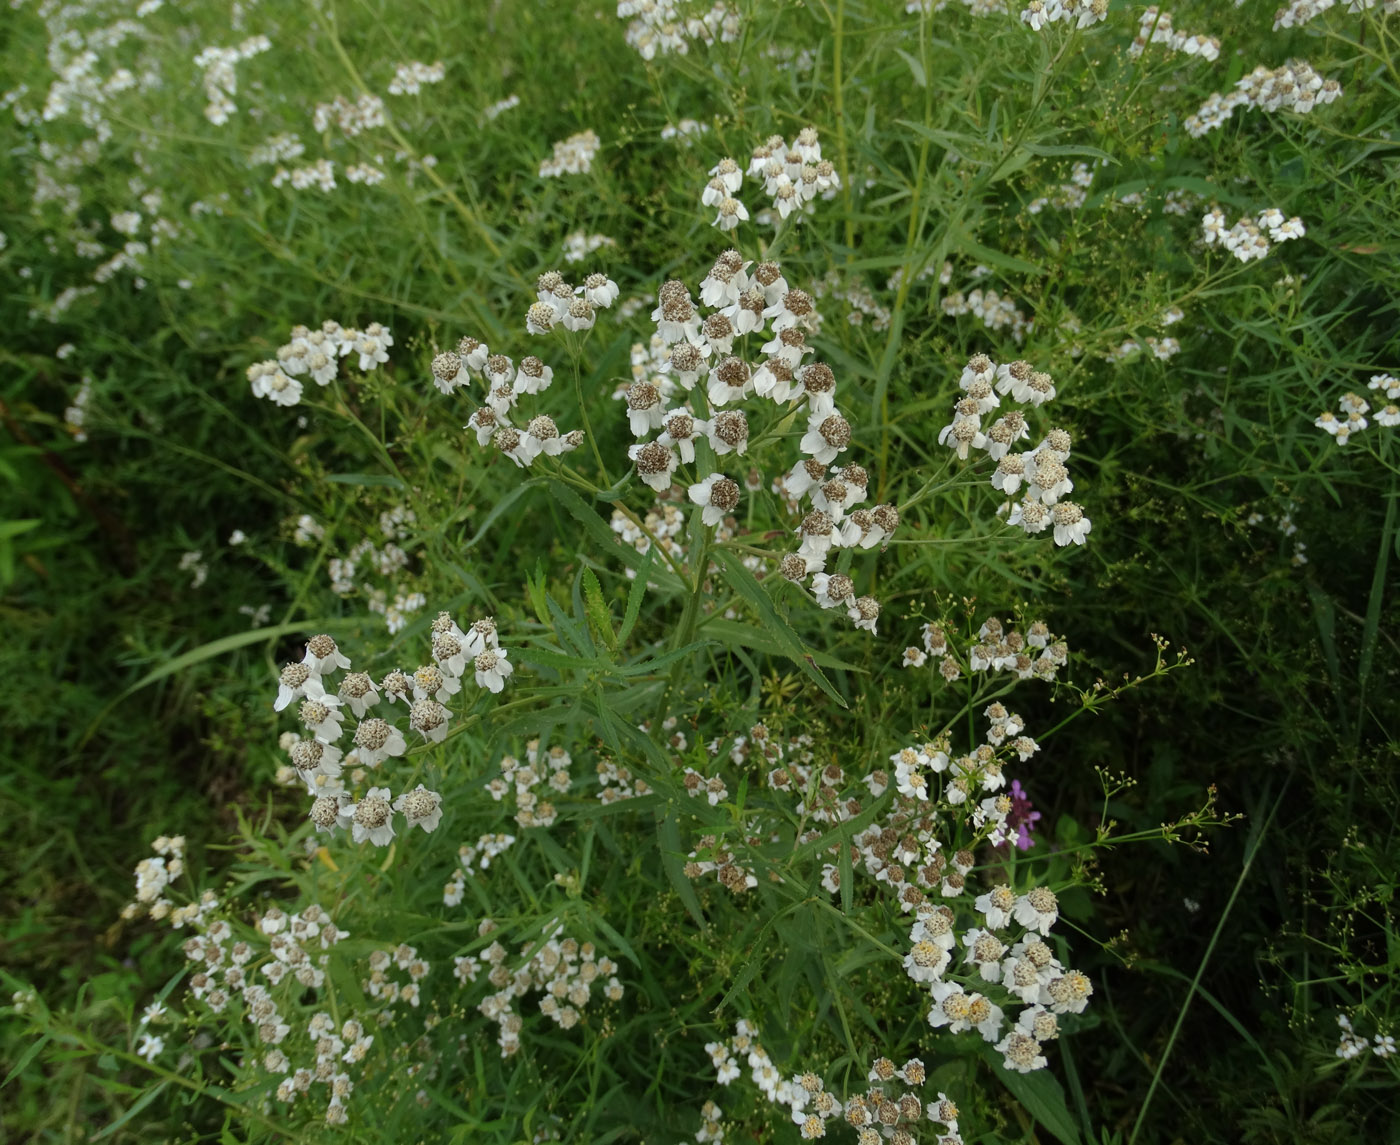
{"x":316,"y":354}
{"x":319,"y":763}
{"x":1042,"y":469}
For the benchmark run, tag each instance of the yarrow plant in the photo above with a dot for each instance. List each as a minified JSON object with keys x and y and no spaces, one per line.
{"x":669,"y":730}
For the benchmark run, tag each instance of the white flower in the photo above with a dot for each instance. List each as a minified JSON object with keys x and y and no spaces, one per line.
{"x":728,"y":173}
{"x":599,"y":289}
{"x":914,"y":658}
{"x":322,"y":717}
{"x":428,"y":718}
{"x":492,"y":668}
{"x":717,"y":495}
{"x":864,"y":611}
{"x":377,"y":740}
{"x":996,"y":906}
{"x":655,"y":462}
{"x":681,"y":430}
{"x":151,"y":1045}
{"x":1071,"y":525}
{"x":421,"y":807}
{"x":323,"y":656}
{"x":731,"y":214}
{"x":372,"y":817}
{"x":826,"y":437}
{"x":295,"y":682}
{"x":1021,"y":1049}
{"x":532,"y":376}
{"x":1038,"y":909}
{"x":372,"y":352}
{"x":832,"y":590}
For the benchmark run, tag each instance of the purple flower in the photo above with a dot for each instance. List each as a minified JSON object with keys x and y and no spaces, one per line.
{"x":1022,"y":817}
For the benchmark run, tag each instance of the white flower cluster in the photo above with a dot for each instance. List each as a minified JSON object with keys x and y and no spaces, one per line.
{"x":1155,"y":26}
{"x":1299,"y":12}
{"x":904,"y":852}
{"x":1042,"y":469}
{"x":1293,"y":86}
{"x":1245,"y":240}
{"x":366,"y":173}
{"x":220,"y":77}
{"x":152,"y":878}
{"x":1084,"y":13}
{"x":572,"y":156}
{"x":881,"y":1113}
{"x":557,"y":304}
{"x":855,"y":294}
{"x":564,"y":970}
{"x":1034,"y":654}
{"x":290,"y":948}
{"x":1160,"y":348}
{"x":315,"y":353}
{"x":261,"y":974}
{"x":194,"y":564}
{"x":988,"y":306}
{"x":793,"y":175}
{"x":664,"y":521}
{"x":75,"y":416}
{"x":320,"y":175}
{"x":687,"y":131}
{"x":278,"y":148}
{"x":578,"y":245}
{"x":710,"y":857}
{"x":1353,"y":1045}
{"x":501,"y":106}
{"x":1354,"y":408}
{"x":410,"y":78}
{"x":1068,"y":196}
{"x":320,"y":764}
{"x":551,"y":767}
{"x":660,"y":27}
{"x":744,"y":301}
{"x":366,"y":112}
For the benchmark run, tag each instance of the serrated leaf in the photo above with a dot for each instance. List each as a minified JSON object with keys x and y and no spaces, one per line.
{"x":596,"y":609}
{"x":635,"y":595}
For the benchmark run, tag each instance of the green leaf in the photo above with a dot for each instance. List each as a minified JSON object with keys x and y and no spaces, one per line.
{"x":139,"y":1104}
{"x":665,"y":660}
{"x":365,"y":479}
{"x":635,"y":595}
{"x":1079,"y":149}
{"x":963,"y":242}
{"x":733,"y":634}
{"x":920,"y":80}
{"x":596,"y":608}
{"x":594,"y":526}
{"x":1042,"y":1096}
{"x":499,"y":508}
{"x":210,"y":651}
{"x":668,"y":836}
{"x":24,"y":1059}
{"x":10,"y":529}
{"x":742,"y":581}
